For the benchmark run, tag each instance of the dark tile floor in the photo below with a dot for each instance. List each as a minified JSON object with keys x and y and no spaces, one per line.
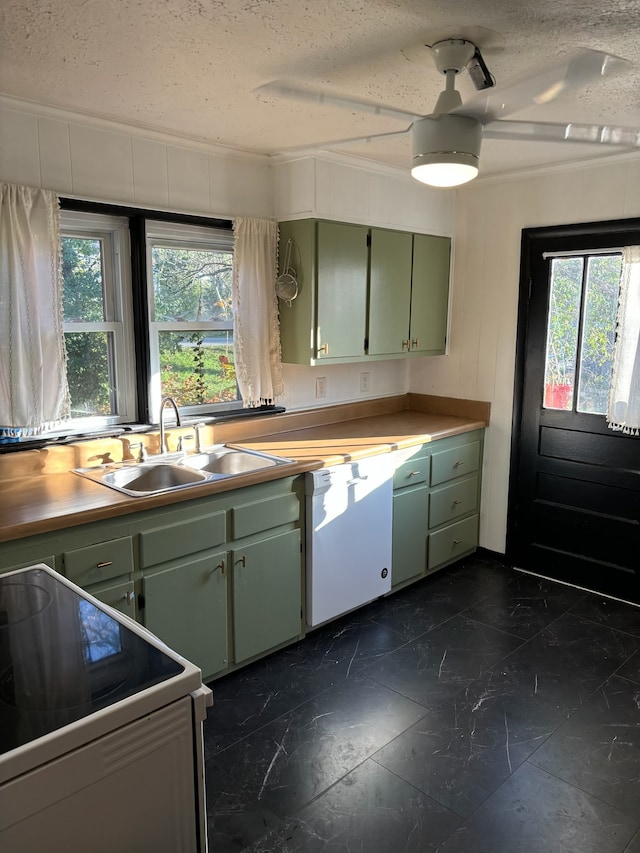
{"x":481,"y":709}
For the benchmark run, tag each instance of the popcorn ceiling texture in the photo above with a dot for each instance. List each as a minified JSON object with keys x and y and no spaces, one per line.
{"x":191,"y":66}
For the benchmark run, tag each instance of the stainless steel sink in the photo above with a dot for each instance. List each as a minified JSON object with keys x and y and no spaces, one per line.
{"x":173,"y":471}
{"x":230,"y":461}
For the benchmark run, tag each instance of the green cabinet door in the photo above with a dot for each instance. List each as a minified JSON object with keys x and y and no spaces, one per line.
{"x":342,"y":256}
{"x":186,"y":607}
{"x":390,"y":292}
{"x":410,"y":535}
{"x":430,"y":293}
{"x":266,"y":594}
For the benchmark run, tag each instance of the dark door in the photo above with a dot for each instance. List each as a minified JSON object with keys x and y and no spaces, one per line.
{"x":574,"y":500}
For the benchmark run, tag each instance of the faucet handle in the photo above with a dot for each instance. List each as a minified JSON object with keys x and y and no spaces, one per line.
{"x":142,"y":452}
{"x":181,"y":440}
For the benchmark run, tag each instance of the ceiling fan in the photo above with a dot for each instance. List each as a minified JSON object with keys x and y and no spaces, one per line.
{"x":446,"y":144}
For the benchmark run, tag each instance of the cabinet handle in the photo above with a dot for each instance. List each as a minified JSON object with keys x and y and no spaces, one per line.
{"x":242,"y":560}
{"x":324,"y":349}
{"x":405,"y":344}
{"x":128,"y":597}
{"x":414,"y":343}
{"x":104,"y":563}
{"x":457,"y":541}
{"x":455,"y":503}
{"x":413,"y":474}
{"x":458,"y":464}
{"x":219,"y":566}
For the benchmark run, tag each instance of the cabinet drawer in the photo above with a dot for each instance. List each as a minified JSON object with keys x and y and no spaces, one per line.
{"x":450,"y":502}
{"x":411,"y":473}
{"x":96,"y":563}
{"x":120,"y":596}
{"x":161,"y":544}
{"x":256,"y":516}
{"x":453,"y":541}
{"x":449,"y":464}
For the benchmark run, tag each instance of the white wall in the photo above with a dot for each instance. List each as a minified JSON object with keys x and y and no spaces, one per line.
{"x":481,"y":360}
{"x":106,"y":161}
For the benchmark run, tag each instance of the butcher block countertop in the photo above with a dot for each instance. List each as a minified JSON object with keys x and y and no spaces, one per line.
{"x":39,"y":493}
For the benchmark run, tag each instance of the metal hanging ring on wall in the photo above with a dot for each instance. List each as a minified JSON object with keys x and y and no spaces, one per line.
{"x":286,"y":283}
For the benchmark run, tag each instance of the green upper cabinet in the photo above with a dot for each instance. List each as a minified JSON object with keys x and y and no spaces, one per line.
{"x":429,"y":293}
{"x":389,"y":292}
{"x":363,"y":293}
{"x":326,"y":321}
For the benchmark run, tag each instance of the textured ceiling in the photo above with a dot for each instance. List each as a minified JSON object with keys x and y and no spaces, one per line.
{"x":192,"y":66}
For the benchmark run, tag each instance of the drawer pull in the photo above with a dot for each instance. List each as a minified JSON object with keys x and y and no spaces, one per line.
{"x":103,"y":564}
{"x":456,"y":502}
{"x":457,"y":541}
{"x":414,"y":473}
{"x":219,"y":566}
{"x":458,"y":463}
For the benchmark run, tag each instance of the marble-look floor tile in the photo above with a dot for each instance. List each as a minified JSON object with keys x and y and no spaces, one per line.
{"x":533,"y":812}
{"x":252,"y":697}
{"x":424,"y":605}
{"x":292,"y":760}
{"x":442,"y":662}
{"x":525,"y":606}
{"x":568,"y":660}
{"x":371,"y":810}
{"x":465,"y":749}
{"x":634,"y":846}
{"x":608,"y":611}
{"x":631,"y":669}
{"x":598,"y":748}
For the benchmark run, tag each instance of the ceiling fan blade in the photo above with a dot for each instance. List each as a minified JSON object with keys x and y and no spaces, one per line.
{"x":572,"y":72}
{"x":541,"y":131}
{"x":353,"y":140}
{"x":279,"y":89}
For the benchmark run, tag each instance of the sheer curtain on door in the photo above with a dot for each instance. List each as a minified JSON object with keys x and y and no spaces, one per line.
{"x":624,"y":400}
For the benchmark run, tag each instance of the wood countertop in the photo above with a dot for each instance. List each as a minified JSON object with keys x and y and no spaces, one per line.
{"x":41,"y":502}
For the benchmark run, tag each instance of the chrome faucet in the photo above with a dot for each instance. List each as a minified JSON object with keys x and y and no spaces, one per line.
{"x":163,"y":405}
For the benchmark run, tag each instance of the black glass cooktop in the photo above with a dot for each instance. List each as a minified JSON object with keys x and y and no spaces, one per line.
{"x":62,"y":658}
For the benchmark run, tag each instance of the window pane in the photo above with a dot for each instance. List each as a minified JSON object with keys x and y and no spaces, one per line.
{"x":82,"y":279}
{"x":562,"y":332}
{"x":191,"y":285}
{"x":198,"y":367}
{"x":90,"y":373}
{"x":598,"y":333}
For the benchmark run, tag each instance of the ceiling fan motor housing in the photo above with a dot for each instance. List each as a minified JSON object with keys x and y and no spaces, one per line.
{"x":449,"y":144}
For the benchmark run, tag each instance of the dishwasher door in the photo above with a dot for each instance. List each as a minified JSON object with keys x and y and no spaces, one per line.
{"x":348,"y":559}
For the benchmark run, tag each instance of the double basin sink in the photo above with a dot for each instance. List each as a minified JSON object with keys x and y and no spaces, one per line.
{"x":171,"y":471}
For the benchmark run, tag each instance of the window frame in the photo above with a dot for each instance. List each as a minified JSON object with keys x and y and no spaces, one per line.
{"x":113,"y":233}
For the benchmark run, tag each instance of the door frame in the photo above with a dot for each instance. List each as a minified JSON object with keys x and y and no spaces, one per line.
{"x":555,"y":238}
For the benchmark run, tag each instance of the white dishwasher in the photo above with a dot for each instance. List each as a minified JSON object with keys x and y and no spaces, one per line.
{"x":348,"y":559}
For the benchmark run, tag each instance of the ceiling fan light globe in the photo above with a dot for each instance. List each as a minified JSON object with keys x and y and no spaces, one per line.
{"x":444,"y":174}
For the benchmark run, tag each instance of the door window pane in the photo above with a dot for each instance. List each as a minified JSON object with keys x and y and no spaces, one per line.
{"x":598,"y":332}
{"x":562,"y":332}
{"x":197,"y":367}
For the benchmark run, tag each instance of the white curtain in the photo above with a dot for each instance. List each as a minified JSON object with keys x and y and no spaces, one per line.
{"x":624,"y":400}
{"x":34,"y":394}
{"x":256,"y":337}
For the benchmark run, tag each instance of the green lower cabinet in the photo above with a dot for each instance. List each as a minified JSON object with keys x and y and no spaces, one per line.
{"x":267,"y":594}
{"x":186,"y":607}
{"x":120,"y":596}
{"x":452,"y":542}
{"x":410,"y":534}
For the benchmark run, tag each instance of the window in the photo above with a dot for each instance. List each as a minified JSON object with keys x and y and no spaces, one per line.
{"x":581,"y":331}
{"x":129,"y":341}
{"x":190,"y":272}
{"x":97,"y":317}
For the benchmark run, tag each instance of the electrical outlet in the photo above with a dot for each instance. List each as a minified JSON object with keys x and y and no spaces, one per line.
{"x":321,"y":386}
{"x":364,"y":383}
